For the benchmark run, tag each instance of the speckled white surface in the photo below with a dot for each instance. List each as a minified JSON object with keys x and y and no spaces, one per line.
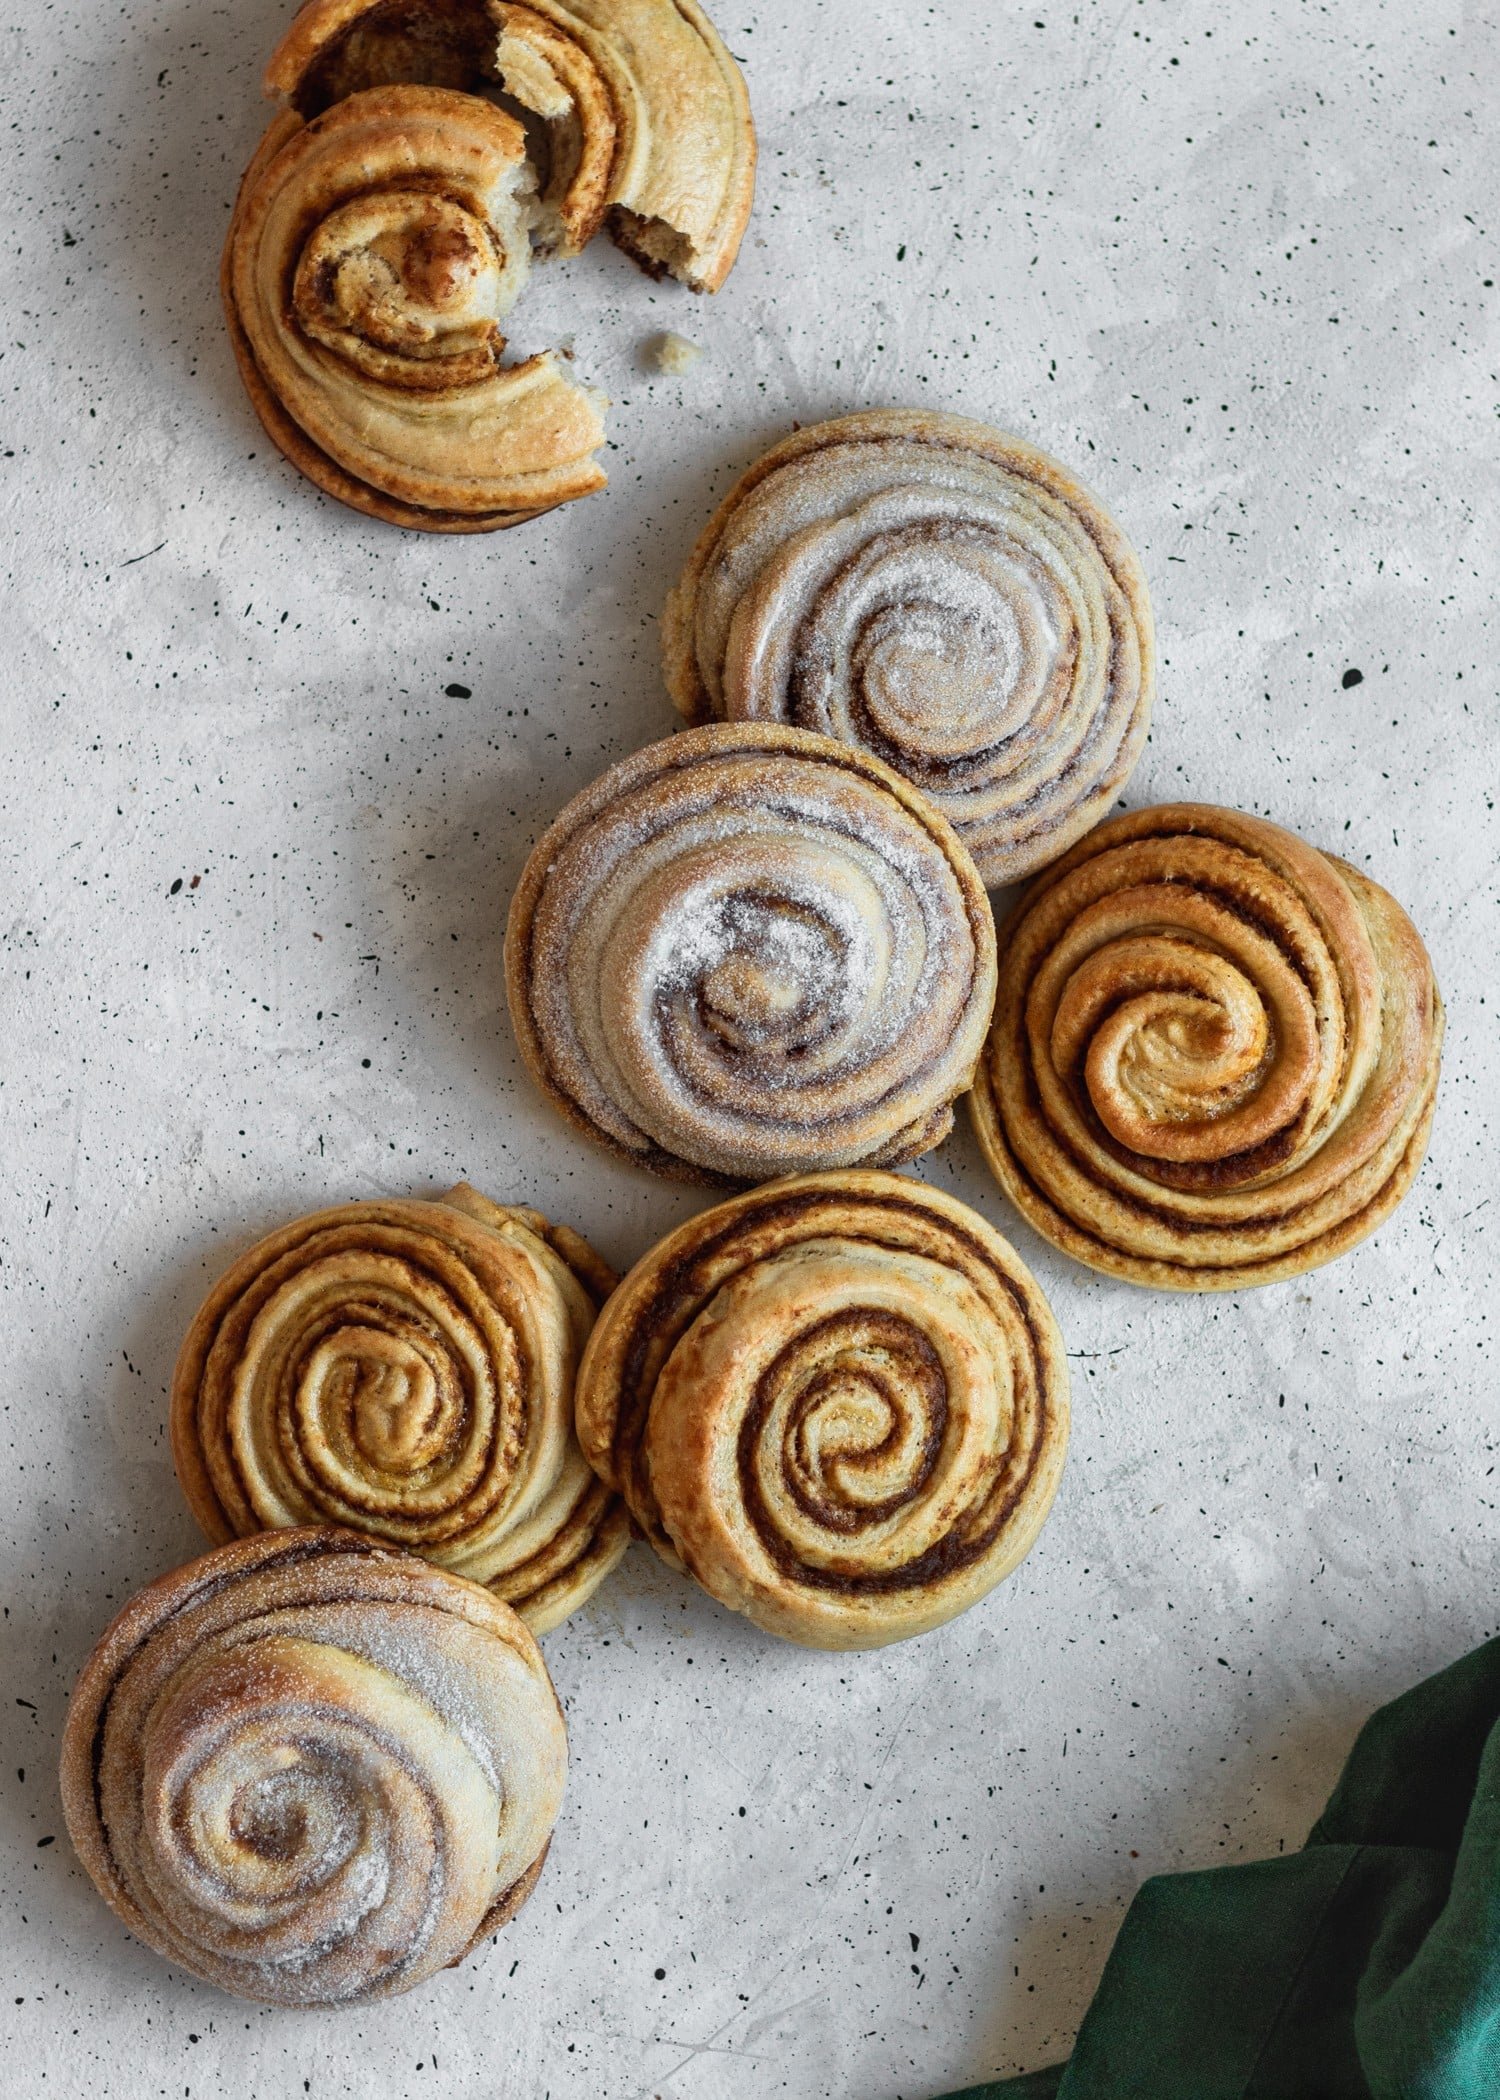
{"x":273,"y":769}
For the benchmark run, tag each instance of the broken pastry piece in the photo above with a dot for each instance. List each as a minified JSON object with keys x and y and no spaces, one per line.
{"x":674,"y":354}
{"x":386,"y":226}
{"x":370,"y":258}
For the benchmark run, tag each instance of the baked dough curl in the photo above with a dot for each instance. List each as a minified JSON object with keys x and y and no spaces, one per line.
{"x":941,"y":595}
{"x":840,"y":1402}
{"x":747,"y":951}
{"x":1215,"y":1052}
{"x":406,"y":1369}
{"x":372,"y":255}
{"x":313,"y":1771}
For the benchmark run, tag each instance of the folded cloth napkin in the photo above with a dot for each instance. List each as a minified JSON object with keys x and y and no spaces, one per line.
{"x":1367,"y":1964}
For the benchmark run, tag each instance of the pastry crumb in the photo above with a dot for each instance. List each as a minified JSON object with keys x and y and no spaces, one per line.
{"x":673,"y":353}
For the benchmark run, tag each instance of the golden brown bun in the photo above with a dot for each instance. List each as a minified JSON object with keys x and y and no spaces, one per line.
{"x":313,"y":1771}
{"x":406,"y":1369}
{"x":841,"y":1402}
{"x":748,"y":951}
{"x":941,"y":595}
{"x":1215,"y":1052}
{"x":371,"y":255}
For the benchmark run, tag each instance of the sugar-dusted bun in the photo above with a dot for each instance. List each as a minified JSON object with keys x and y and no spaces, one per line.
{"x":748,"y":951}
{"x":406,"y":1369}
{"x":840,"y":1401}
{"x":371,"y":257}
{"x":1215,"y":1052}
{"x":941,"y":595}
{"x":313,"y":1771}
{"x":641,"y":119}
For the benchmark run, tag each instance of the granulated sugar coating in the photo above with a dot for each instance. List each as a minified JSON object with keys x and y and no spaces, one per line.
{"x":274,"y":772}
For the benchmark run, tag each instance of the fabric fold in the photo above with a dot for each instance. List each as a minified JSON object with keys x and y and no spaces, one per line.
{"x":1364,"y":1967}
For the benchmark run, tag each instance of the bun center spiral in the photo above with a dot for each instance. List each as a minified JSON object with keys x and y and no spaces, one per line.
{"x":396,"y":1392}
{"x":867,"y":1415}
{"x":391,"y":1400}
{"x":1181,"y":1020}
{"x":928,"y":676}
{"x":290,"y":1840}
{"x":855,"y":1409}
{"x":935,"y":645}
{"x":763,"y":988}
{"x":760,"y":975}
{"x":405,"y":278}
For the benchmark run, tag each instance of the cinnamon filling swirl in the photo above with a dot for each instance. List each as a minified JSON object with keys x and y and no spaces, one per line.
{"x":840,"y":1402}
{"x":1215,"y":1052}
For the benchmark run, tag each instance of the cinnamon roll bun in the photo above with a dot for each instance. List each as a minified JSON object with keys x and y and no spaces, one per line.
{"x":372,"y":255}
{"x":313,"y":1771}
{"x":941,"y":595}
{"x":386,"y":225}
{"x":840,"y":1402}
{"x":747,"y":951}
{"x":1215,"y":1052}
{"x":405,"y":1370}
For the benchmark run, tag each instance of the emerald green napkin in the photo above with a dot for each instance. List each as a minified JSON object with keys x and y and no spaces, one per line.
{"x":1367,"y":1964}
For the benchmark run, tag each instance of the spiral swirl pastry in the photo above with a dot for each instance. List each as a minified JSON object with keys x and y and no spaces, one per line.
{"x":406,"y":1370}
{"x":1215,"y":1052}
{"x":371,"y":256}
{"x":840,"y":1402}
{"x":747,"y":951}
{"x":942,"y":596}
{"x":313,"y":1771}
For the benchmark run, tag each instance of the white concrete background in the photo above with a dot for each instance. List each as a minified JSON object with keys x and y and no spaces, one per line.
{"x":1237,"y":267}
